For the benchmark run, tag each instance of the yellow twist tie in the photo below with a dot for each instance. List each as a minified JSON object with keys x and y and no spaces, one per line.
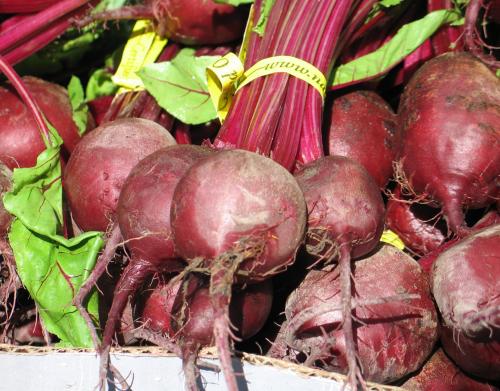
{"x":143,"y":48}
{"x":226,"y":76}
{"x":393,"y":239}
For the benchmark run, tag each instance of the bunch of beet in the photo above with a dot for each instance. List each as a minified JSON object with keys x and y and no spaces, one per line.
{"x":234,"y":215}
{"x":201,"y":233}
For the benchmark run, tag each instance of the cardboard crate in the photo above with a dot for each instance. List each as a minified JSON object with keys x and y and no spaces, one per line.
{"x":149,"y":369}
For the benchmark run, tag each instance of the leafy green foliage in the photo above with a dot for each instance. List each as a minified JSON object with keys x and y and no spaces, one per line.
{"x":78,"y":104}
{"x":407,"y":39}
{"x":51,"y":267}
{"x":100,"y":84}
{"x":260,"y":27}
{"x":180,"y":86}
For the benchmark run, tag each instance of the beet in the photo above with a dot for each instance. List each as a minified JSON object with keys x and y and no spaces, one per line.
{"x":464,"y":281}
{"x":144,"y":204}
{"x":144,"y":220}
{"x":248,"y":311}
{"x":20,"y":139}
{"x":344,"y":206}
{"x":199,"y":22}
{"x":418,"y":225}
{"x":364,"y":128}
{"x":346,"y":220}
{"x":190,"y":22}
{"x":479,"y":356}
{"x":5,"y":186}
{"x":100,"y":164}
{"x":154,"y":306}
{"x":186,"y":316}
{"x":489,"y":219}
{"x":240,"y":215}
{"x":450,"y":116}
{"x":394,"y":334}
{"x":440,"y":374}
{"x":236,"y":200}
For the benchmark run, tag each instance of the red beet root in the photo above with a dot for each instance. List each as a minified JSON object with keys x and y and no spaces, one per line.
{"x":440,"y":374}
{"x":144,"y":204}
{"x":240,"y":215}
{"x":191,"y":22}
{"x":248,"y":311}
{"x":476,"y":356}
{"x":464,"y":282}
{"x":450,"y":119}
{"x":394,"y":330}
{"x":20,"y":138}
{"x":364,"y":128}
{"x":100,"y":164}
{"x":346,"y":219}
{"x":236,"y":202}
{"x":199,"y":22}
{"x":144,"y":219}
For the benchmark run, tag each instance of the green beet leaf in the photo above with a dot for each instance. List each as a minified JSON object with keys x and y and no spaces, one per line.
{"x":407,"y":39}
{"x":100,"y":84}
{"x":260,"y":27}
{"x":51,"y":267}
{"x":180,"y":86}
{"x":78,"y":104}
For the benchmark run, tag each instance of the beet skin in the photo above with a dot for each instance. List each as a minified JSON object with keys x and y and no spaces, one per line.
{"x":363,"y":127}
{"x":393,"y":337}
{"x":450,"y":118}
{"x":100,"y":164}
{"x":20,"y":138}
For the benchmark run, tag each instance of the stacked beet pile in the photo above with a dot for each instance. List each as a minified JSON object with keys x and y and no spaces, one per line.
{"x":352,"y":227}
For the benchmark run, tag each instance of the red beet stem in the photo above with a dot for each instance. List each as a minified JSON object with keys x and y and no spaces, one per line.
{"x":49,"y":33}
{"x":130,"y":280}
{"x":354,"y":375}
{"x":35,"y":23}
{"x":23,"y":6}
{"x":182,"y":133}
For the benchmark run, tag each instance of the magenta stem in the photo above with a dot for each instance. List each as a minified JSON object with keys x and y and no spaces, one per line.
{"x":37,"y":22}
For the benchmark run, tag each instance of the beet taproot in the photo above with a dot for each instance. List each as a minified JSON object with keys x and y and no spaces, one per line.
{"x":419,"y":226}
{"x":450,"y":118}
{"x":242,"y":216}
{"x":464,"y":281}
{"x":440,"y":374}
{"x":345,"y":221}
{"x":144,"y":219}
